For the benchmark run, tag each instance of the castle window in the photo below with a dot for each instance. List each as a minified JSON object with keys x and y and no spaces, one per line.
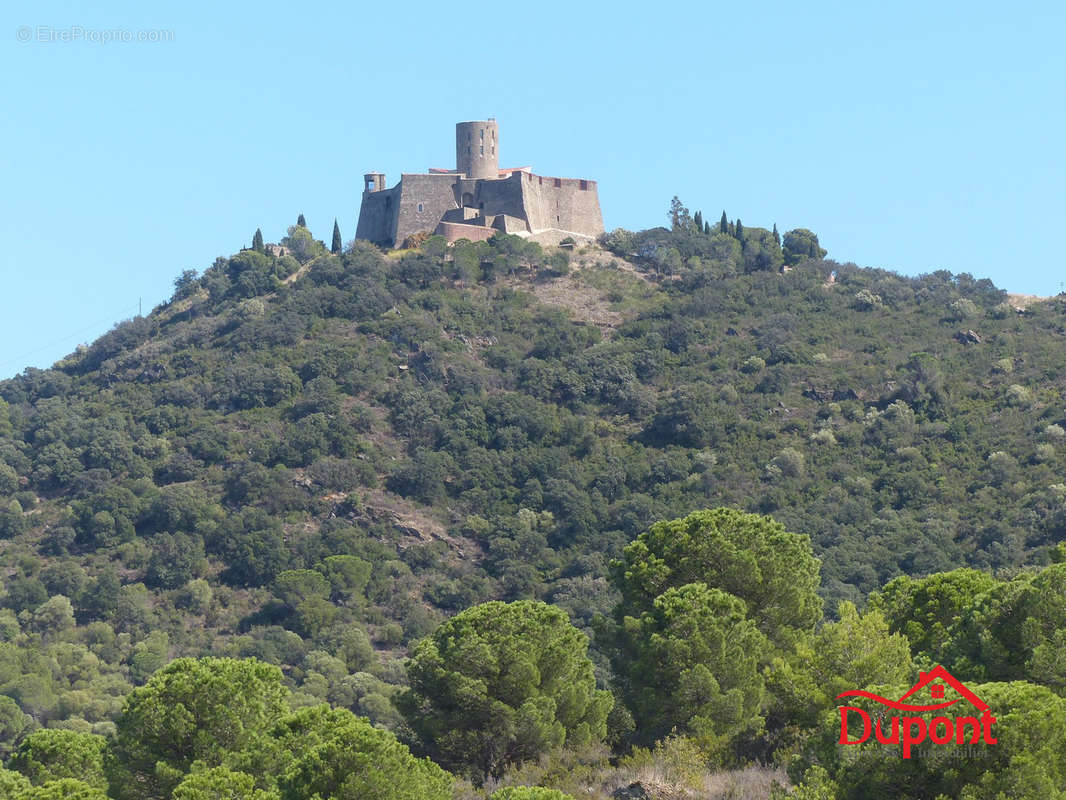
{"x":558,"y":182}
{"x":482,"y":134}
{"x":482,"y":149}
{"x":584,"y":186}
{"x":419,"y":208}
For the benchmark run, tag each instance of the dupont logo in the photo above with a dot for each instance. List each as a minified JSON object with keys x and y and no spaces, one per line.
{"x":976,"y":726}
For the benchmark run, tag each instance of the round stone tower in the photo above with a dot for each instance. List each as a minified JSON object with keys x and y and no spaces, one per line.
{"x":477,"y":148}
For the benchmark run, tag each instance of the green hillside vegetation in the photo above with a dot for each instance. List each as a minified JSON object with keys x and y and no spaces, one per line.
{"x":452,"y":502}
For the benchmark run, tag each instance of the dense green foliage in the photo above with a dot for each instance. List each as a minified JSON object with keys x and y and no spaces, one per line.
{"x":192,"y":712}
{"x":706,"y":602}
{"x":855,"y":650}
{"x":503,"y":683}
{"x":751,"y":557}
{"x":54,"y":754}
{"x":222,"y":729}
{"x":219,"y":783}
{"x":63,"y":789}
{"x":984,"y":629}
{"x":693,"y":662}
{"x":333,"y":754}
{"x":317,"y":458}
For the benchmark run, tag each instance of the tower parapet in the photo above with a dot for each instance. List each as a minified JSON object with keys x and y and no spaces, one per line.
{"x":373,"y":182}
{"x":477,"y":149}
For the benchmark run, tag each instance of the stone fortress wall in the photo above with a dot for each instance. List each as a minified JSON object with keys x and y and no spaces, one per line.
{"x":562,"y":204}
{"x":379,"y":213}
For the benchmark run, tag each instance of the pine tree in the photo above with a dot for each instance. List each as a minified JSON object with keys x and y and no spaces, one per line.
{"x":336,"y":249}
{"x":301,"y":221}
{"x":257,"y":241}
{"x":676,"y":212}
{"x":723,"y":225}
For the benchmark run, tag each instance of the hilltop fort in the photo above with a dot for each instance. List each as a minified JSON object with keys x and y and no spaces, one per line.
{"x":478,"y":199}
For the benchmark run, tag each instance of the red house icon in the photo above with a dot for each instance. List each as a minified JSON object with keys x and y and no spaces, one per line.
{"x":939,"y":673}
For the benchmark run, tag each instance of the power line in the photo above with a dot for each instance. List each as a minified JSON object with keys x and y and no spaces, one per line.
{"x":76,"y":333}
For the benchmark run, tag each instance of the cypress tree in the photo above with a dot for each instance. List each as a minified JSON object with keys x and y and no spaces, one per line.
{"x":257,"y":241}
{"x":723,"y":225}
{"x":706,"y":228}
{"x":739,"y":230}
{"x":699,"y":222}
{"x":301,"y":221}
{"x":777,"y":236}
{"x":336,"y":238}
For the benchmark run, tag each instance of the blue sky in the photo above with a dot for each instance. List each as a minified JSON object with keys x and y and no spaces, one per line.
{"x":909,"y":136}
